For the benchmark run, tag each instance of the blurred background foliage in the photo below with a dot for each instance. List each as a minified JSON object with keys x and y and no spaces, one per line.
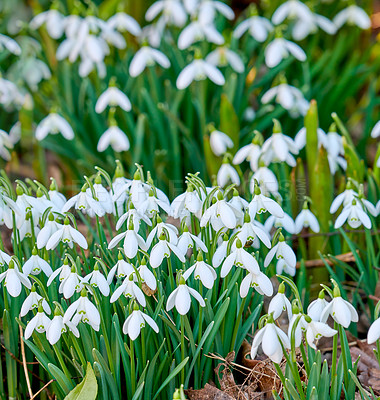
{"x":167,"y":127}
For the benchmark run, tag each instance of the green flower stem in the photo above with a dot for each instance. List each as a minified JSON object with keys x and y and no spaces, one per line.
{"x":62,"y":362}
{"x":133,"y":370}
{"x":237,"y":325}
{"x":171,"y":275}
{"x":334,"y":353}
{"x":182,"y":347}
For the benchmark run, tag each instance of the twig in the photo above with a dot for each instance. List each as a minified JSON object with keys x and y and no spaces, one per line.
{"x":24,"y":363}
{"x":43,"y":388}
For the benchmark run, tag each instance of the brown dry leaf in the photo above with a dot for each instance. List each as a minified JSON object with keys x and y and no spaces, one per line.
{"x":207,"y":393}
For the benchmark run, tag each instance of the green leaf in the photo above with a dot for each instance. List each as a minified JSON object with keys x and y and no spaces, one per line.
{"x":87,"y":389}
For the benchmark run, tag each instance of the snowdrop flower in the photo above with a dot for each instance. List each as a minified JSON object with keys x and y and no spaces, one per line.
{"x":280,"y":145}
{"x":340,"y":310}
{"x":227,"y":173}
{"x":202,"y":271}
{"x":376,"y":130}
{"x":272,"y":339}
{"x":285,"y":222}
{"x":260,"y":204}
{"x":283,"y":266}
{"x":189,"y":201}
{"x":316,"y":307}
{"x":36,"y":264}
{"x":5,"y":145}
{"x":209,"y":8}
{"x":220,"y":253}
{"x":172,"y":10}
{"x":68,"y":235}
{"x":57,"y":327}
{"x":281,"y":251}
{"x":352,"y":15}
{"x":113,"y":97}
{"x":34,"y":71}
{"x":293,"y":9}
{"x":147,"y":57}
{"x":266,"y":179}
{"x":133,"y":215}
{"x":260,"y":282}
{"x":220,"y":142}
{"x":163,"y":228}
{"x":63,"y":271}
{"x":355,"y":216}
{"x":10,"y":95}
{"x":50,"y":227}
{"x":14,"y":279}
{"x":133,"y":324}
{"x":199,"y":70}
{"x":303,"y":27}
{"x":102,"y":195}
{"x":132,"y":241}
{"x":83,"y":310}
{"x":250,"y":232}
{"x":258,"y":27}
{"x":54,"y":124}
{"x":289,"y":97}
{"x":147,"y":275}
{"x":130,"y":290}
{"x":280,"y":303}
{"x":71,"y":284}
{"x":10,"y":44}
{"x":85,"y":202}
{"x":345,"y":198}
{"x":220,"y":214}
{"x":39,"y":323}
{"x":124,"y":23}
{"x":4,"y":258}
{"x":152,"y":205}
{"x":189,"y":241}
{"x":300,"y":138}
{"x":251,"y":152}
{"x":240,"y":258}
{"x":181,"y":300}
{"x":239,"y":206}
{"x":280,"y":49}
{"x":7,"y":208}
{"x":97,"y":279}
{"x":121,"y":269}
{"x":32,"y":302}
{"x":374,"y":332}
{"x":162,"y":250}
{"x":223,"y":56}
{"x":54,"y":20}
{"x":306,"y":219}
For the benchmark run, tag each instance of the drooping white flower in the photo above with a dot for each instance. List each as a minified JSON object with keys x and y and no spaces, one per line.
{"x":345,"y":198}
{"x":280,"y":49}
{"x":374,"y":332}
{"x":189,"y":241}
{"x":220,"y":214}
{"x":147,"y":275}
{"x":32,"y":301}
{"x":147,"y":57}
{"x":227,"y":174}
{"x":35,"y":264}
{"x":63,"y":271}
{"x":285,"y":222}
{"x":267,"y":181}
{"x":260,"y":282}
{"x":202,"y":271}
{"x":97,"y":279}
{"x":172,"y":10}
{"x":271,"y":338}
{"x":50,"y":227}
{"x":68,"y":235}
{"x":163,"y":250}
{"x":280,"y":303}
{"x":354,"y":215}
{"x":39,"y":323}
{"x":181,"y":300}
{"x":303,"y":27}
{"x":10,"y":44}
{"x":292,"y":9}
{"x":223,"y":56}
{"x":83,"y":310}
{"x":72,"y":283}
{"x":85,"y":202}
{"x":316,"y":307}
{"x":14,"y":279}
{"x":54,"y":124}
{"x":241,"y":259}
{"x":260,"y":204}
{"x":115,"y":138}
{"x":188,"y":202}
{"x":251,"y":152}
{"x":7,"y":208}
{"x":121,"y":269}
{"x":5,"y":145}
{"x":289,"y":97}
{"x":133,"y":215}
{"x":199,"y":70}
{"x":135,"y":321}
{"x":54,"y":20}
{"x":220,"y":142}
{"x":132,"y":241}
{"x":152,"y":205}
{"x":220,"y":253}
{"x":281,"y":251}
{"x":4,"y":258}
{"x":250,"y":231}
{"x":283,"y":266}
{"x":57,"y":327}
{"x":340,"y":310}
{"x":258,"y":27}
{"x":163,"y":229}
{"x":352,"y":15}
{"x":124,"y":22}
{"x":376,"y":130}
{"x":306,"y":219}
{"x":129,"y":289}
{"x":113,"y":97}
{"x":300,"y":138}
{"x":208,"y":8}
